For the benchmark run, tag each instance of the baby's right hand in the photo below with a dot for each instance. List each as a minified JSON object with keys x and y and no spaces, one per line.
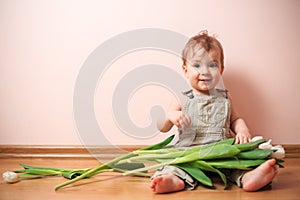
{"x":180,"y":119}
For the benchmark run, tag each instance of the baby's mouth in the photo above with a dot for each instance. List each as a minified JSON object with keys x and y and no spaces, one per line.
{"x":205,"y":80}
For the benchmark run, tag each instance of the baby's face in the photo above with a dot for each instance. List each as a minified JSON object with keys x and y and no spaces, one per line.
{"x":203,"y":70}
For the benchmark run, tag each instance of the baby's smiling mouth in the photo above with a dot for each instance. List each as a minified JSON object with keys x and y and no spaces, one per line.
{"x":205,"y":79}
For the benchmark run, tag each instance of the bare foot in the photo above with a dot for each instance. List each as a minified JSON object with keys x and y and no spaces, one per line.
{"x":260,"y":177}
{"x":167,"y":183}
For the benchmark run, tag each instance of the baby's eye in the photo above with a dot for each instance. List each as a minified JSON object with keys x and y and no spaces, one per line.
{"x":212,"y":65}
{"x":196,"y":65}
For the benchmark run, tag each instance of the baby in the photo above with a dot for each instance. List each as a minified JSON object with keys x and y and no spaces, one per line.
{"x":207,"y":116}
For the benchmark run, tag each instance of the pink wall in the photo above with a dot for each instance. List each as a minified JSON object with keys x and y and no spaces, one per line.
{"x":44,"y":44}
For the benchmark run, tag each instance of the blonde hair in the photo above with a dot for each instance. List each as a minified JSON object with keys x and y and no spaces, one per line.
{"x":202,"y":41}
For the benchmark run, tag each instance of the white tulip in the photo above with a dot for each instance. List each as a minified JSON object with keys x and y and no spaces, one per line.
{"x":279,"y":153}
{"x":265,"y":145}
{"x":10,"y":177}
{"x":257,"y":138}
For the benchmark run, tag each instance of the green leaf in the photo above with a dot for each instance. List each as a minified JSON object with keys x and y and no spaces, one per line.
{"x":235,"y":164}
{"x":249,"y":145}
{"x":255,"y":154}
{"x":109,"y":164}
{"x":29,"y":176}
{"x":207,"y":167}
{"x":44,"y":172}
{"x":152,"y":157}
{"x":72,"y":174}
{"x":196,"y":173}
{"x":278,"y":162}
{"x":211,"y":152}
{"x":160,"y":144}
{"x":128,"y":166}
{"x":43,"y":168}
{"x":157,"y":151}
{"x":229,"y":141}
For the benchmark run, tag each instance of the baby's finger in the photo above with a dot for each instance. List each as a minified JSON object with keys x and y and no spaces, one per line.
{"x":177,"y":123}
{"x":188,"y":119}
{"x":248,"y":139}
{"x":185,"y":121}
{"x":237,"y":140}
{"x":182,"y":123}
{"x":244,"y":139}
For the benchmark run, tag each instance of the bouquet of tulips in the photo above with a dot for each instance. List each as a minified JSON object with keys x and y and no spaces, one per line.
{"x":196,"y":161}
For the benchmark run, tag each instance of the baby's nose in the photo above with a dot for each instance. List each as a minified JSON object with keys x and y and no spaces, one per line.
{"x":203,"y":69}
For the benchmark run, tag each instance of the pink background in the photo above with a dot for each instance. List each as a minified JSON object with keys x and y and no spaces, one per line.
{"x":44,"y":44}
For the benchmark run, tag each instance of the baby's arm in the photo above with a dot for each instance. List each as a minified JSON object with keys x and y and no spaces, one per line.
{"x":238,"y":126}
{"x":176,"y":117}
{"x":242,"y":132}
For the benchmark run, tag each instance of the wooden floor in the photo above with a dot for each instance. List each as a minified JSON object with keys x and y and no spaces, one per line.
{"x":112,"y":186}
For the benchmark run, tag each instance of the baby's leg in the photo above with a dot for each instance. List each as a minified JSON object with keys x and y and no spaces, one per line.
{"x":167,"y":183}
{"x":260,"y":177}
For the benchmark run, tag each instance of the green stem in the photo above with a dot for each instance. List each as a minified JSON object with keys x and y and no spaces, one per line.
{"x":93,"y":171}
{"x":108,"y":164}
{"x":148,"y":168}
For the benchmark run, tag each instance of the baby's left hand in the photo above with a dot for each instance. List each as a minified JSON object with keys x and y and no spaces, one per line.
{"x":243,"y":137}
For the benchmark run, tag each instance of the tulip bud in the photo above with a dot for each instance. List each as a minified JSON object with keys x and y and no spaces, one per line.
{"x":265,"y":145}
{"x":257,"y":138}
{"x":10,"y":177}
{"x":279,"y":153}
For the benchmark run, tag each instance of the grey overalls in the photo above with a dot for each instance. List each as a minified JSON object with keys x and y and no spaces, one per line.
{"x":210,"y":122}
{"x":210,"y":118}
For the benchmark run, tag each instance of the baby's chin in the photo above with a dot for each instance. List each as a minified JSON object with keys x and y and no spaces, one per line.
{"x":202,"y":91}
{"x":205,"y":87}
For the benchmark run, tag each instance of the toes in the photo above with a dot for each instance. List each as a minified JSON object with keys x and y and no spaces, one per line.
{"x":272,"y":162}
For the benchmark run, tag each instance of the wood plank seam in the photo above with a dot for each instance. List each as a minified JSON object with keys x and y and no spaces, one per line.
{"x":81,"y":152}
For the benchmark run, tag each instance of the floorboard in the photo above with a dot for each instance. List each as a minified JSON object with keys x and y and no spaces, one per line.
{"x":113,"y":186}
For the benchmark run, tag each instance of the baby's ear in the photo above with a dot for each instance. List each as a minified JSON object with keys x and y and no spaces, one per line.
{"x":184,"y":69}
{"x":222,"y":70}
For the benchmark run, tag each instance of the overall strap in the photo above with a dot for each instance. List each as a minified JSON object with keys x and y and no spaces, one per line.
{"x":189,"y":94}
{"x":224,"y":92}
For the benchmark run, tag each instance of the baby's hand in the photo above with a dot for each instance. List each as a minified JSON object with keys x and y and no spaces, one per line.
{"x":180,"y":119}
{"x":242,"y":137}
